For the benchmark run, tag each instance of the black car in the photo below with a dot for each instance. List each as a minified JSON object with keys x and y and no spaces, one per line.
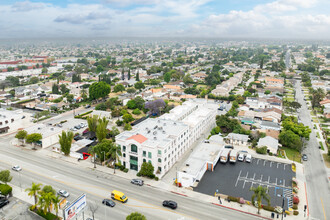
{"x":137,"y":182}
{"x":3,"y":203}
{"x":304,"y":157}
{"x":108,"y":202}
{"x":77,"y":138}
{"x":169,"y":203}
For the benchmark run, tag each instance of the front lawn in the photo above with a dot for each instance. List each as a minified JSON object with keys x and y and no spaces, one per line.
{"x":326,"y":160}
{"x":292,"y":154}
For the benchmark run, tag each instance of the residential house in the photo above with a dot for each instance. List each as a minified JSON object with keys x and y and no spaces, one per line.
{"x":270,"y":142}
{"x":237,"y":139}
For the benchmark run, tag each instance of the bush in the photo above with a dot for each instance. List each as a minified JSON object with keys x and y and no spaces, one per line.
{"x":136,"y":111}
{"x":261,"y":150}
{"x":241,"y":201}
{"x":295,"y":200}
{"x":5,"y":189}
{"x":119,"y":122}
{"x":295,"y":206}
{"x":233,"y":199}
{"x":125,"y":170}
{"x":270,"y":154}
{"x":268,"y":208}
{"x":48,"y":215}
{"x":138,"y":174}
{"x":156,"y":178}
{"x":63,"y":121}
{"x":295,"y":212}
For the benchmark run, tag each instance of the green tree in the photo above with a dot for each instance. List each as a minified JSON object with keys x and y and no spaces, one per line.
{"x":21,"y":135}
{"x":136,"y":111}
{"x":65,"y":141}
{"x":129,"y":74}
{"x":136,"y":216}
{"x":56,"y":201}
{"x":131,"y":90}
{"x":128,"y":118}
{"x":34,"y":191}
{"x":99,"y":69}
{"x":115,"y":153}
{"x":44,"y":70}
{"x":267,"y":92}
{"x":55,"y":89}
{"x":33,"y":138}
{"x":289,"y":139}
{"x":101,"y":129}
{"x":147,"y":169}
{"x":139,"y":85}
{"x":34,"y":80}
{"x":137,"y":77}
{"x":127,"y":127}
{"x":187,"y":79}
{"x":259,"y":193}
{"x":119,"y":88}
{"x":13,"y":80}
{"x":64,"y":89}
{"x":92,"y":123}
{"x":102,"y":149}
{"x":5,"y":176}
{"x":167,"y":77}
{"x":99,"y":90}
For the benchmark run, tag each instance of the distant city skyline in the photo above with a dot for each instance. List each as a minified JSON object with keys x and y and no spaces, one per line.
{"x":308,"y":19}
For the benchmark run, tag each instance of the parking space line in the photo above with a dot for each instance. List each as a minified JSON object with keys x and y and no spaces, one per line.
{"x":268,"y":178}
{"x":239,"y":175}
{"x":254,"y":175}
{"x":261,"y":178}
{"x":265,"y":163}
{"x":247,"y":174}
{"x":277,"y":165}
{"x":276,"y":181}
{"x":283,"y":182}
{"x":244,"y":184}
{"x":258,"y":161}
{"x":270,"y":164}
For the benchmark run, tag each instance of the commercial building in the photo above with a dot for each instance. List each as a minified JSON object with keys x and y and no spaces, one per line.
{"x":204,"y":157}
{"x":10,"y":120}
{"x":49,"y":134}
{"x":162,"y":141}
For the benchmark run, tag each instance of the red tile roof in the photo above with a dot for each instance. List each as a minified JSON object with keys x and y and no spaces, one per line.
{"x":138,"y":137}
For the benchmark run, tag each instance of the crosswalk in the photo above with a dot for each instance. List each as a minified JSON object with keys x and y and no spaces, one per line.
{"x":287,"y":193}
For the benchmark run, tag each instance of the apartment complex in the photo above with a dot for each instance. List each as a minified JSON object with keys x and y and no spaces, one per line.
{"x":162,"y":141}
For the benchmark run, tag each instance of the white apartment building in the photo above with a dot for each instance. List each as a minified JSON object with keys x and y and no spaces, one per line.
{"x":158,"y":141}
{"x":10,"y":120}
{"x":162,"y":141}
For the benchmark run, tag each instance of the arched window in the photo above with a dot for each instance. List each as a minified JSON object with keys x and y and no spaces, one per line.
{"x":159,"y":160}
{"x":134,"y":148}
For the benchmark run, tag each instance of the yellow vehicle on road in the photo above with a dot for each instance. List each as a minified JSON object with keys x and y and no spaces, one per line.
{"x":117,"y":195}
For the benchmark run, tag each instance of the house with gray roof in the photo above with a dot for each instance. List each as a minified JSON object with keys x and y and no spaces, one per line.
{"x":237,"y":139}
{"x":270,"y":142}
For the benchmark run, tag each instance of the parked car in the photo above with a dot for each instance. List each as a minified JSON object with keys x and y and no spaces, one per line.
{"x":60,"y":125}
{"x":248,"y":158}
{"x":229,"y":146}
{"x":137,"y":182}
{"x":108,"y":202}
{"x":87,"y":106}
{"x":241,"y":157}
{"x":16,"y":168}
{"x":63,"y":193}
{"x":304,"y":157}
{"x":77,"y":138}
{"x":3,"y":203}
{"x":206,"y":141}
{"x":169,"y":203}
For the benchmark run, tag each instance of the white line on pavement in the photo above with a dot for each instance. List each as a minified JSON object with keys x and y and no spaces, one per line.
{"x":238,"y":177}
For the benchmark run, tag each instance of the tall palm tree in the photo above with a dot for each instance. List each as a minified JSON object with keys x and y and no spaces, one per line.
{"x":56,"y":200}
{"x":115,"y":152}
{"x":261,"y":193}
{"x":46,"y":201}
{"x":33,"y":191}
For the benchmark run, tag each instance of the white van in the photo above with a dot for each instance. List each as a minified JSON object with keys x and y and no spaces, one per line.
{"x":240,"y":157}
{"x":233,"y":156}
{"x":248,"y":158}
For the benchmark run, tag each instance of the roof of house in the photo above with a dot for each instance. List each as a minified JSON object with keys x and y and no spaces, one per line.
{"x":269,"y":142}
{"x":138,"y":137}
{"x":234,"y":136}
{"x":326,"y":101}
{"x":270,"y":124}
{"x":272,"y":133}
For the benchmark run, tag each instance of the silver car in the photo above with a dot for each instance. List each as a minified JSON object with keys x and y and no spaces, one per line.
{"x":63,"y":193}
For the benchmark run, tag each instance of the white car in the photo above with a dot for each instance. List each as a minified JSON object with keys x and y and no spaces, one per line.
{"x":63,"y":193}
{"x":248,"y":158}
{"x":16,"y":168}
{"x":241,"y":157}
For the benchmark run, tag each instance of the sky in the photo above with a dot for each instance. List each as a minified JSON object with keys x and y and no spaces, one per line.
{"x":302,"y":19}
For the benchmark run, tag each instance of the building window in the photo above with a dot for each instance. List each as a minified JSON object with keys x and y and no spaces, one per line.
{"x":160,"y":169}
{"x":159,"y":152}
{"x":12,"y":120}
{"x":159,"y":160}
{"x":124,"y":148}
{"x":144,"y":153}
{"x":6,"y":122}
{"x":149,"y":155}
{"x":134,"y":148}
{"x":149,"y":161}
{"x":144,"y":160}
{"x":124,"y":155}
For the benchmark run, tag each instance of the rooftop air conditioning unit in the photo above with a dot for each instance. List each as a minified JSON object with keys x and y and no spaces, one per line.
{"x":39,"y":128}
{"x":154,"y":133}
{"x":187,"y":164}
{"x":155,"y":138}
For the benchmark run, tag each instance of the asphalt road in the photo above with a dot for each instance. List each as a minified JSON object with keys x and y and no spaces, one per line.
{"x":98,"y":185}
{"x":318,"y":187}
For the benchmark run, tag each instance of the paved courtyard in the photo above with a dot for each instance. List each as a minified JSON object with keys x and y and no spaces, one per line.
{"x":237,"y":179}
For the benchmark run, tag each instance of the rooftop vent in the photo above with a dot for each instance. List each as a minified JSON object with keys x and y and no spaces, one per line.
{"x":187,"y":164}
{"x":155,"y":132}
{"x":148,"y":131}
{"x":52,"y":129}
{"x":155,"y":138}
{"x":39,"y":128}
{"x":174,"y":123}
{"x":164,"y":124}
{"x":156,"y":127}
{"x":164,"y":132}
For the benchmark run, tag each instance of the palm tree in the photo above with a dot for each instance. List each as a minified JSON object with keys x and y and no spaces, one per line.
{"x":45,"y":201}
{"x":115,"y":152}
{"x":33,"y":191}
{"x":56,"y":200}
{"x":261,"y":193}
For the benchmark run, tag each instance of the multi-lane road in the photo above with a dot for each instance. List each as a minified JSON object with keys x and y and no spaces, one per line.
{"x":98,"y":185}
{"x":318,"y":188}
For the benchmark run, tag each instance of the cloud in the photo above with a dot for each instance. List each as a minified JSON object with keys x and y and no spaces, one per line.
{"x":27,"y":6}
{"x":82,"y":18}
{"x":125,"y":3}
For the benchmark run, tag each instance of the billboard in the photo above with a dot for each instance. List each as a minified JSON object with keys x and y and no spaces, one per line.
{"x":75,"y":207}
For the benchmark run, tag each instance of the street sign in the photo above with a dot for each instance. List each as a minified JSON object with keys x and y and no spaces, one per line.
{"x":75,"y":207}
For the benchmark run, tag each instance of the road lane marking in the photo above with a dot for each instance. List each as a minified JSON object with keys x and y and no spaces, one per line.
{"x":100,"y":196}
{"x":325,"y":217}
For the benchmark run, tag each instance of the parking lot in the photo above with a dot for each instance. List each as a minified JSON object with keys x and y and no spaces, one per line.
{"x":15,"y":210}
{"x":237,"y":179}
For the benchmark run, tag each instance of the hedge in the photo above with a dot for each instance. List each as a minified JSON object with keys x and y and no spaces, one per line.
{"x":83,"y":114}
{"x":295,"y":206}
{"x":261,"y":150}
{"x":24,"y":101}
{"x":295,"y":212}
{"x":233,"y":199}
{"x":5,"y":189}
{"x":268,"y":208}
{"x":48,"y":215}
